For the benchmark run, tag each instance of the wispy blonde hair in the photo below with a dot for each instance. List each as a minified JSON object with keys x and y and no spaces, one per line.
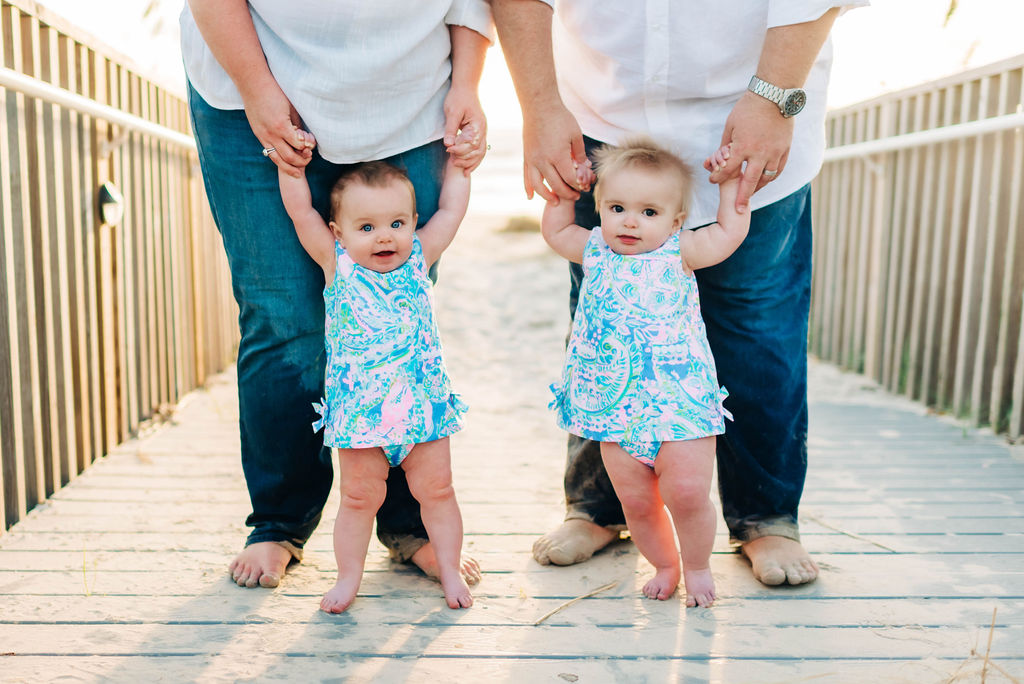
{"x":641,"y":151}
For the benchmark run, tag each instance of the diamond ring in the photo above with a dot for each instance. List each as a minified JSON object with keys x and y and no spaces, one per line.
{"x":267,"y":151}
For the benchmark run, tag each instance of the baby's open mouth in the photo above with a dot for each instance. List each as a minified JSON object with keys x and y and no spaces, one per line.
{"x":385,"y":253}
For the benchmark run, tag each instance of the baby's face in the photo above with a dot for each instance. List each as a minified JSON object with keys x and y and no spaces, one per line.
{"x":640,"y":208}
{"x":376,"y":225}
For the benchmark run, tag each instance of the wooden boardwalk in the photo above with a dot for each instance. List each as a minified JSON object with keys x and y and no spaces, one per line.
{"x":918,"y":525}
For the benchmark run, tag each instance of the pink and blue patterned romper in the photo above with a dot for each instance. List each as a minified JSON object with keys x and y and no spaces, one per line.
{"x":386,"y":382}
{"x":638,"y":368}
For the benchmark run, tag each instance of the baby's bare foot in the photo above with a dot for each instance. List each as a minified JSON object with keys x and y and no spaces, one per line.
{"x":700,"y":587}
{"x":663,"y":584}
{"x":456,"y":591}
{"x":777,"y":560}
{"x":260,"y":564}
{"x":425,"y":560}
{"x":341,"y":595}
{"x":574,"y":541}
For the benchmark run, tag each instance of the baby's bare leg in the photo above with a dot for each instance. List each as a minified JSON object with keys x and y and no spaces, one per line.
{"x":684,"y":478}
{"x":363,"y":486}
{"x":636,"y":485}
{"x":428,"y":470}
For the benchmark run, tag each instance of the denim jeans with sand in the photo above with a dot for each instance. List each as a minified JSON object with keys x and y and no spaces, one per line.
{"x":281,"y":357}
{"x":755,"y":306}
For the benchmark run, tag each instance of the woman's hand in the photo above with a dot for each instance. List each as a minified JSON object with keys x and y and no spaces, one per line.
{"x":465,"y":128}
{"x":278,"y":127}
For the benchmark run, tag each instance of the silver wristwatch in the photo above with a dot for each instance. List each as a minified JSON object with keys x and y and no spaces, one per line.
{"x":789,"y":100}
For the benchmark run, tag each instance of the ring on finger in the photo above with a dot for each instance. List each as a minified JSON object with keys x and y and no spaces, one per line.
{"x":267,"y":151}
{"x":769,"y":174}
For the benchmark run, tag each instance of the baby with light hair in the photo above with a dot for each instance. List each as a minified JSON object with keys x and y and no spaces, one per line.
{"x":639,"y":376}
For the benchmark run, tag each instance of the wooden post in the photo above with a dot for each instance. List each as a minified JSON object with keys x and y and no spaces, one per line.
{"x":22,"y":118}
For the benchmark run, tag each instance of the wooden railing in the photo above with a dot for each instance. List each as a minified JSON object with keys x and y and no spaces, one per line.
{"x":919,"y":245}
{"x":102,"y":325}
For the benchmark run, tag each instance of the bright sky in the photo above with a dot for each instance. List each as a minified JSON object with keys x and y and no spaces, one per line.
{"x":892,"y":44}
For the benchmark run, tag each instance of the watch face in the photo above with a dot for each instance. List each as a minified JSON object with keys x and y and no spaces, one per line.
{"x":794,"y":103}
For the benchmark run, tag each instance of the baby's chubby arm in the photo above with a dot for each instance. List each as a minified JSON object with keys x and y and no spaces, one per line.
{"x":560,"y":231}
{"x":712,"y":244}
{"x":439,"y":231}
{"x":316,"y":237}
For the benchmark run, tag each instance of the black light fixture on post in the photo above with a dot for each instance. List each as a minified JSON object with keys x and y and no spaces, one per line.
{"x":111,"y":204}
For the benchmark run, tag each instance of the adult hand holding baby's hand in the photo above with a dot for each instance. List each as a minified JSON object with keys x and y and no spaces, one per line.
{"x":465,"y":129}
{"x":277,"y":126}
{"x":759,"y":138}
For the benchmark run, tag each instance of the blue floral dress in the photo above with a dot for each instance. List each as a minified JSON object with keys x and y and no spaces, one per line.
{"x":638,"y":368}
{"x":386,"y":384}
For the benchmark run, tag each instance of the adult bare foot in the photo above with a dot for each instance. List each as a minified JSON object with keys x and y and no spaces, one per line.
{"x":425,"y":560}
{"x":574,"y":541}
{"x":777,"y":560}
{"x":260,"y":564}
{"x":340,"y":596}
{"x":700,"y":587}
{"x":663,"y":584}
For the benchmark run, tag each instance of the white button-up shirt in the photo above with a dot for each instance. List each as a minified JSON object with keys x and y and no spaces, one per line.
{"x":368,"y":78}
{"x":674,"y":69}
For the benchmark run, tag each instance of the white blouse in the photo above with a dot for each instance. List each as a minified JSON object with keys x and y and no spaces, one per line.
{"x":368,"y":78}
{"x":674,"y":69}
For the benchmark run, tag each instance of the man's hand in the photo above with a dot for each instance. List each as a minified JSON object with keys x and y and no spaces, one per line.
{"x":759,"y":138}
{"x":276,"y":124}
{"x":555,"y":163}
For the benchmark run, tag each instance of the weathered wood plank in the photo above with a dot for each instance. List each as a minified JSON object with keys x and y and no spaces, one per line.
{"x":495,"y":554}
{"x":843,"y":576}
{"x":239,"y":606}
{"x":689,"y":640}
{"x":519,"y":668}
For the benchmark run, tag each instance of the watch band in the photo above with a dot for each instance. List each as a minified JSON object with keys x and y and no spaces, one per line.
{"x":766,"y":90}
{"x":790,"y":101}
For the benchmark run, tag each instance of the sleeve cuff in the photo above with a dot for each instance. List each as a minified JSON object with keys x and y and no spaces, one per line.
{"x":788,"y":12}
{"x":473,"y":14}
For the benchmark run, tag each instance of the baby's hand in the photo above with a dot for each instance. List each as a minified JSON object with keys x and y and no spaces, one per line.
{"x":584,"y":174}
{"x":719,"y":159}
{"x":467,"y":148}
{"x":308,"y":141}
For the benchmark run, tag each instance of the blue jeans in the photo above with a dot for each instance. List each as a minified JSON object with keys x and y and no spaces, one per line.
{"x":755,"y":306}
{"x":281,"y":356}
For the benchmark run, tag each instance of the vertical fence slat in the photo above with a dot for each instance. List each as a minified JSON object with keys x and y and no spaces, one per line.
{"x":948,"y":350}
{"x":12,"y":425}
{"x":23,"y":120}
{"x":57,"y":182}
{"x":894,"y":242}
{"x":74,"y":298}
{"x":923,"y":271}
{"x":973,"y":258}
{"x":909,"y":263}
{"x":993,"y":241}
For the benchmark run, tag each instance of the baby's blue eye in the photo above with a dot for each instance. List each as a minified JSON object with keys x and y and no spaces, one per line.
{"x":650,"y":212}
{"x":616,"y":208}
{"x":366,"y":227}
{"x":396,"y":224}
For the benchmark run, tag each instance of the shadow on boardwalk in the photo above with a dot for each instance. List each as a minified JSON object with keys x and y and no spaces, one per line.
{"x":917,"y":524}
